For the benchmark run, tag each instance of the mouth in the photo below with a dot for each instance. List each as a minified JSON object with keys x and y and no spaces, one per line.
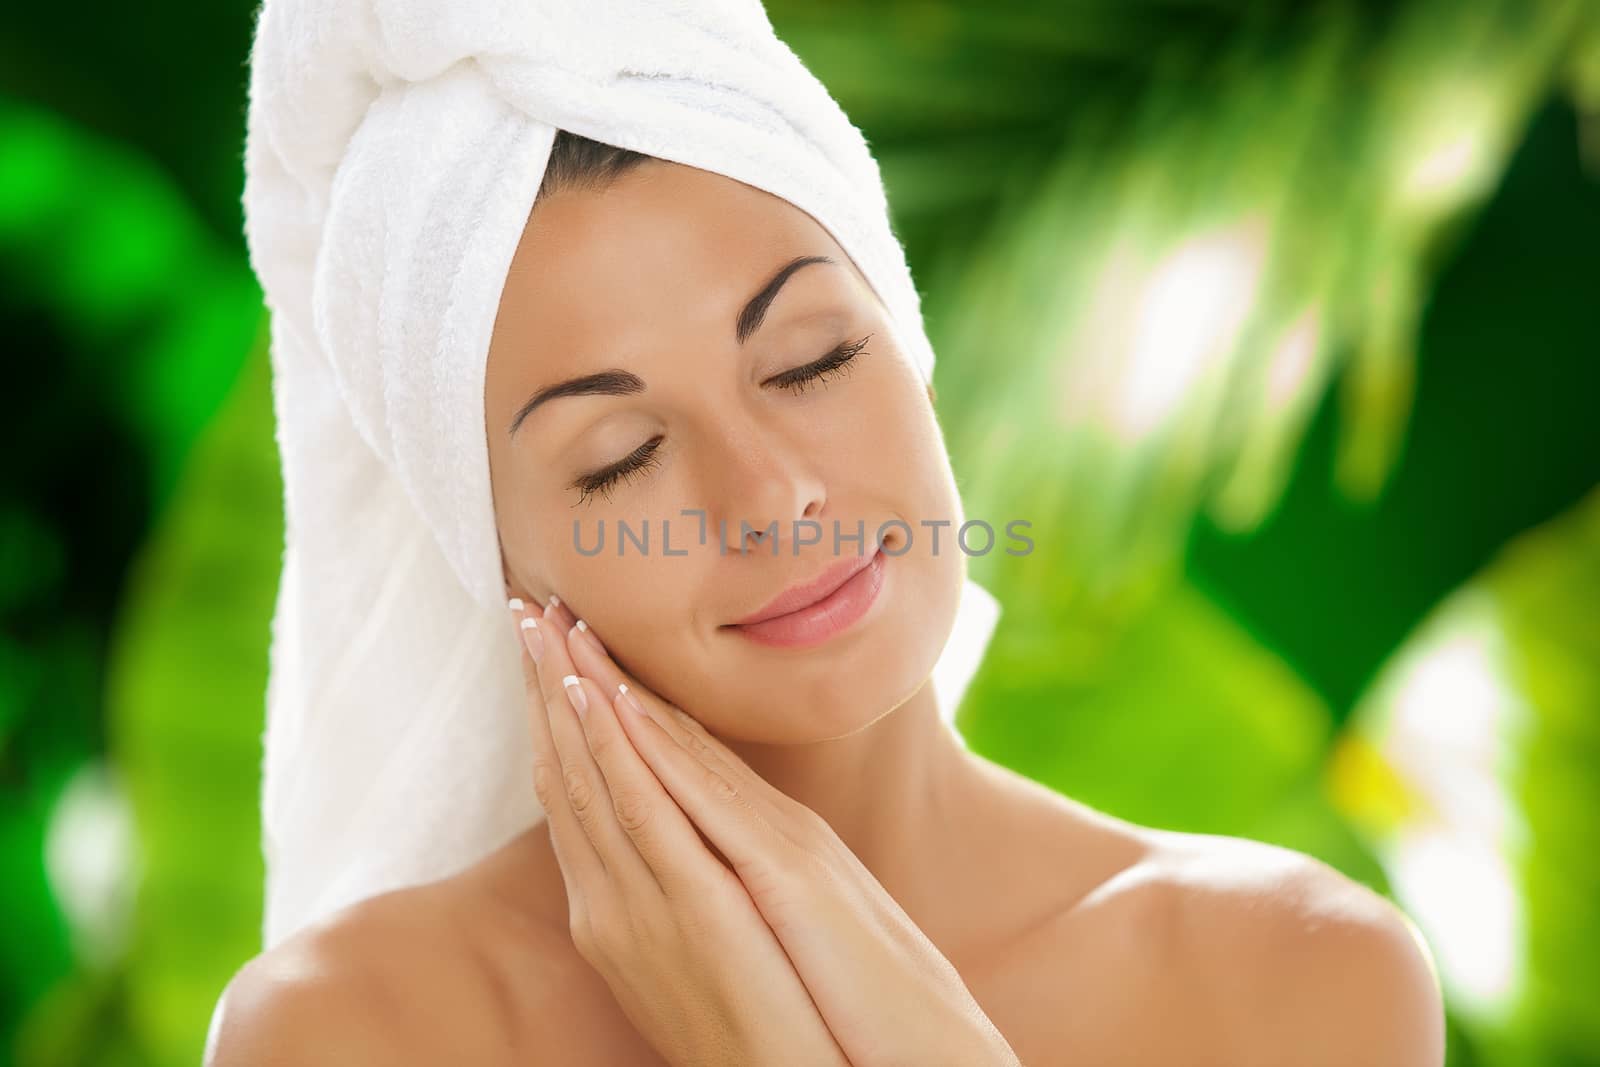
{"x":810,"y":614}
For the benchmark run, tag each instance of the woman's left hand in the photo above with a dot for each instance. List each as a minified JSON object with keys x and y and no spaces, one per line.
{"x":888,"y":995}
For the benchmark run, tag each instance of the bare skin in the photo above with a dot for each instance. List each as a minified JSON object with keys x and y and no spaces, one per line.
{"x":1122,"y":945}
{"x":1083,"y":938}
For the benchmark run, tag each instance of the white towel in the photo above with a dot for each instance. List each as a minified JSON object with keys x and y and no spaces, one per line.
{"x":393,"y":151}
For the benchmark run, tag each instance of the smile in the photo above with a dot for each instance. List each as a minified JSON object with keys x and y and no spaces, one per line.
{"x":824,"y":619}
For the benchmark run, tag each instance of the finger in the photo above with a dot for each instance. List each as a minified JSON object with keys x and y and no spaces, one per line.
{"x":664,"y":839}
{"x":731,"y":816}
{"x":738,"y":814}
{"x":580,"y":863}
{"x":591,"y":657}
{"x":560,"y":612}
{"x":592,"y":804}
{"x":594,"y":662}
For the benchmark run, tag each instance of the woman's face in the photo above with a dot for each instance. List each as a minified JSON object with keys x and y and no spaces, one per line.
{"x":649,"y":279}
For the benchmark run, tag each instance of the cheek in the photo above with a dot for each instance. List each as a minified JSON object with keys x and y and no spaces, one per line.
{"x":901,"y":440}
{"x":640,"y":606}
{"x":519,"y":555}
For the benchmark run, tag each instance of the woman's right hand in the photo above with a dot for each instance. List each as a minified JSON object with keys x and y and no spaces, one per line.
{"x":669,"y":927}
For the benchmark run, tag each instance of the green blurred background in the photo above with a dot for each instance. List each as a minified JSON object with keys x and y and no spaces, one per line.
{"x":1277,"y":319}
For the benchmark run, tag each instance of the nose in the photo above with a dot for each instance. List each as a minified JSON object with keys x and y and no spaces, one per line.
{"x":770,"y":483}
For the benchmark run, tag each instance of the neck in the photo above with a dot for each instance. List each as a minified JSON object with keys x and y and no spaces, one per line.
{"x":890,"y":790}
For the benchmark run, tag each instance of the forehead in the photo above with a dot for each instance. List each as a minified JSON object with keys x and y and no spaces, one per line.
{"x":664,"y":247}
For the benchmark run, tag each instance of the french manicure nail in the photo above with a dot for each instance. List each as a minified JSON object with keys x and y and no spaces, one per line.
{"x":534,"y":640}
{"x":575,"y":693}
{"x":515,"y":603}
{"x":628,"y":698}
{"x":581,"y":627}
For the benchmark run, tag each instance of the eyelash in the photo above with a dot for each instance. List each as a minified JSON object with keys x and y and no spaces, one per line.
{"x":643,"y":458}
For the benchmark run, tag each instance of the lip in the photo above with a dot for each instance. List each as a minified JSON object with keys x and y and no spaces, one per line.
{"x":804,"y":594}
{"x":823,"y":618}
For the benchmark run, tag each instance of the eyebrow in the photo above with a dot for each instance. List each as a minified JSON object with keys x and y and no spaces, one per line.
{"x":624,"y":383}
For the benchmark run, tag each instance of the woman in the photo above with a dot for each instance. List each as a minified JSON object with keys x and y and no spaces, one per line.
{"x":942,"y":909}
{"x":756,"y":841}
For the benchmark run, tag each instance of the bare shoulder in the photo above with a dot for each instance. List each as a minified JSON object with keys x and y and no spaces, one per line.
{"x":1307,"y":963}
{"x":1264,"y":955}
{"x":397,"y":979}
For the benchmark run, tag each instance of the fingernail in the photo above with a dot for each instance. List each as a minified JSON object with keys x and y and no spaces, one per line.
{"x":534,"y":640}
{"x":628,"y":698}
{"x":555,"y":602}
{"x":575,"y":693}
{"x":515,"y":603}
{"x":581,"y":627}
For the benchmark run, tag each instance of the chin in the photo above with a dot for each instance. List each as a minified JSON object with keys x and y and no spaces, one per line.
{"x":812,"y":714}
{"x":850,"y":682}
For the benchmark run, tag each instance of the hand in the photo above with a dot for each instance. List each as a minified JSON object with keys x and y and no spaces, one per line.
{"x":887,"y":994}
{"x":671,"y":930}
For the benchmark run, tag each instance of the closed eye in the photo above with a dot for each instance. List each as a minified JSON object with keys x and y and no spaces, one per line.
{"x":801,"y":378}
{"x":644,"y":457}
